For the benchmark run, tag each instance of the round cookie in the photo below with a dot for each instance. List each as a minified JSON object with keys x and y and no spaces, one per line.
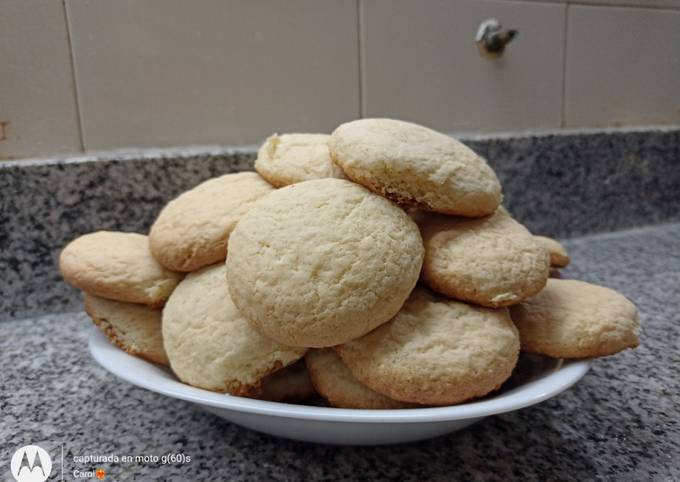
{"x":575,"y":319}
{"x":335,"y":382}
{"x":291,"y":384}
{"x":210,"y":345}
{"x":416,"y":166}
{"x":322,"y":262}
{"x":290,"y":158}
{"x":559,"y":257}
{"x":436,"y":352}
{"x":192,"y":231}
{"x":117,"y":266}
{"x":135,"y":329}
{"x":492,"y":261}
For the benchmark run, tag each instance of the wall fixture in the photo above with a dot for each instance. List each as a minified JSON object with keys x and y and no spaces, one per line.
{"x":491,"y":38}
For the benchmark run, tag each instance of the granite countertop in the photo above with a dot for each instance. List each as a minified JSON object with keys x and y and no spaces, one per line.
{"x":619,"y":423}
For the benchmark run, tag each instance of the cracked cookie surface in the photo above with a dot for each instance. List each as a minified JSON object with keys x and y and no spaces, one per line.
{"x":335,"y":382}
{"x":133,"y":328}
{"x":117,"y":266}
{"x":416,"y":166}
{"x":210,"y":345}
{"x":322,"y":262}
{"x":436,"y":351}
{"x":193,"y":229}
{"x":575,"y":319}
{"x":492,"y":261}
{"x":289,"y":158}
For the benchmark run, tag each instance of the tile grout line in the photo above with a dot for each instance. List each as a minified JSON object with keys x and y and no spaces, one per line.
{"x":563,"y":109}
{"x":79,"y":114}
{"x":360,"y":60}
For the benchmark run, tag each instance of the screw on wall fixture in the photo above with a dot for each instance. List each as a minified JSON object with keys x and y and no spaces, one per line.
{"x":3,"y":130}
{"x":491,"y":38}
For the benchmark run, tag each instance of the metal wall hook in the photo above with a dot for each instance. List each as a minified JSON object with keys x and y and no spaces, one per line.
{"x":491,"y":38}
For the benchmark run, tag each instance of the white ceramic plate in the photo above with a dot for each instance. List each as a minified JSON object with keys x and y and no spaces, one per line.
{"x":536,"y":379}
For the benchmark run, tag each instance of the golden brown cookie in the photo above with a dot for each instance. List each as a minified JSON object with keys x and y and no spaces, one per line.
{"x":134,"y":328}
{"x":436,"y":352}
{"x":416,"y":166}
{"x":290,"y":158}
{"x":290,"y":384}
{"x":322,"y":262}
{"x":559,"y":257}
{"x":210,"y":345}
{"x":492,"y":261}
{"x":575,"y":319}
{"x":335,"y":382}
{"x":117,"y":266}
{"x":193,"y":230}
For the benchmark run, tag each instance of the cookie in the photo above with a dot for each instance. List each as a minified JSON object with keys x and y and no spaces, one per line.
{"x":559,"y":257}
{"x":335,"y":382}
{"x":193,"y":230}
{"x":436,"y":352}
{"x":492,"y":261}
{"x":291,"y":384}
{"x":290,"y":158}
{"x":322,"y":262}
{"x":575,"y":319}
{"x":210,"y":345}
{"x":117,"y":266}
{"x":135,"y":329}
{"x":416,"y":166}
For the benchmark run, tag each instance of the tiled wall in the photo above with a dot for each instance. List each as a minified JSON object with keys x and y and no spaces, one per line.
{"x":99,"y":74}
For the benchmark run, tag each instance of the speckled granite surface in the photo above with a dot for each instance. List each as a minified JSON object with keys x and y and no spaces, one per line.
{"x":620,"y":423}
{"x":45,"y":205}
{"x":570,"y":185}
{"x":560,"y":185}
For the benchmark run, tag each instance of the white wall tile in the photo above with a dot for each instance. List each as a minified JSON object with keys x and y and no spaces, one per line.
{"x":623,"y":66}
{"x":633,"y":3}
{"x":173,"y":72}
{"x":674,"y":4}
{"x":38,"y":112}
{"x":420,"y":62}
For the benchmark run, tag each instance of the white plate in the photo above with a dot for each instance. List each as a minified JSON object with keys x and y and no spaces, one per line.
{"x":538,"y":379}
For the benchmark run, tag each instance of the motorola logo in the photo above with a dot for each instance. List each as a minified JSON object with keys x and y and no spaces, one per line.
{"x":31,"y":464}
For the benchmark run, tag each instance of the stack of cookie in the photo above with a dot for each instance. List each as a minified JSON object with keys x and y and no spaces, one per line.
{"x":324,"y":248}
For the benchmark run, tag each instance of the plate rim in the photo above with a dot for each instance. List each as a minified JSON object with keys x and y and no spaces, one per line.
{"x":103,"y":351}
